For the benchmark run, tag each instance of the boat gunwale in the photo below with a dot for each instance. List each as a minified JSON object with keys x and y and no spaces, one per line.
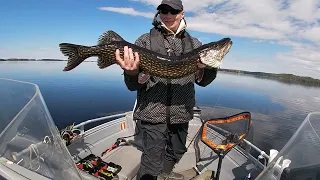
{"x":244,"y":151}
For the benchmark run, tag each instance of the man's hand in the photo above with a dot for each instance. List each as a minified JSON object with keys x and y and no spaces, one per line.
{"x":129,"y":63}
{"x":200,"y":64}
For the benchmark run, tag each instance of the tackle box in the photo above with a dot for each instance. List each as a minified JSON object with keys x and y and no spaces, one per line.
{"x":95,"y":166}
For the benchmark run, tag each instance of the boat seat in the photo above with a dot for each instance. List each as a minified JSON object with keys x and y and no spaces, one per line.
{"x":128,"y":157}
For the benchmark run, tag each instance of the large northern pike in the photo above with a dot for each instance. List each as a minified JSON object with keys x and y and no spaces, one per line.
{"x":153,"y":63}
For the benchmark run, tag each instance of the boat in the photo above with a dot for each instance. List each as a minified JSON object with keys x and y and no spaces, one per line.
{"x":109,"y":147}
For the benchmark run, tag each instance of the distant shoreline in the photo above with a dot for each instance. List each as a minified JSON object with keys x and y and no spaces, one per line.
{"x":281,"y":77}
{"x":16,"y":59}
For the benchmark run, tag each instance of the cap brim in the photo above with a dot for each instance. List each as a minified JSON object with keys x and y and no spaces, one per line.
{"x":171,"y":5}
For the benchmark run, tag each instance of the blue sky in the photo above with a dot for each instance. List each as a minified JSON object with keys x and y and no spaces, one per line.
{"x":268,"y":35}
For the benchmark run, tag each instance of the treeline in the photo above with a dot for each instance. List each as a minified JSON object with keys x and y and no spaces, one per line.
{"x":284,"y":78}
{"x":18,"y":59}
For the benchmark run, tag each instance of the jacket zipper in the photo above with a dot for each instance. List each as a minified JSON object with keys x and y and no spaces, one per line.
{"x":169,"y":95}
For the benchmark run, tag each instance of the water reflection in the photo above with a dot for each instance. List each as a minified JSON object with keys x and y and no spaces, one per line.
{"x":277,"y":108}
{"x":88,"y":92}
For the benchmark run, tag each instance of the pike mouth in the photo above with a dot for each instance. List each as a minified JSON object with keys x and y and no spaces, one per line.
{"x":225,"y":49}
{"x":213,"y":56}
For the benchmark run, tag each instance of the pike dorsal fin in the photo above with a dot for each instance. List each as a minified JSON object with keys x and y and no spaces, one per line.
{"x":109,"y":36}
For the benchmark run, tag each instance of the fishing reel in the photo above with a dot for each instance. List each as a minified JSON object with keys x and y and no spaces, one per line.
{"x":69,"y":134}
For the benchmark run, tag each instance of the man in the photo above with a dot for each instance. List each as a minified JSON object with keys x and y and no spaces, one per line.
{"x":164,"y":107}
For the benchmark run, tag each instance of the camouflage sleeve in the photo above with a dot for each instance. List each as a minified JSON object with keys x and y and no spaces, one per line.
{"x":132,"y":81}
{"x":206,"y":75}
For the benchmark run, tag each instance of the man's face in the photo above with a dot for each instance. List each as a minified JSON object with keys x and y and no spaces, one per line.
{"x":171,"y":17}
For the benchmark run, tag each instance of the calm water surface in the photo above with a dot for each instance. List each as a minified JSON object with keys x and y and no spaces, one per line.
{"x":88,"y":92}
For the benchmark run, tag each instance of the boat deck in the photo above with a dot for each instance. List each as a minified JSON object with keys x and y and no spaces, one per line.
{"x":235,"y":165}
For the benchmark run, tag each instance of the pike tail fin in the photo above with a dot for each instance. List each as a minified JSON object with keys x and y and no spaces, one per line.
{"x":72,"y":52}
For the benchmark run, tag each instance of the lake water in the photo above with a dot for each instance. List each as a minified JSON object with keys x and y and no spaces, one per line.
{"x":88,"y":92}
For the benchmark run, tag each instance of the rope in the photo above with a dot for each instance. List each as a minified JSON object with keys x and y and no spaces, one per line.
{"x":36,"y":152}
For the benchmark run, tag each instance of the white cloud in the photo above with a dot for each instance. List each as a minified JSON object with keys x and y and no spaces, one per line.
{"x":130,"y":11}
{"x":313,"y":33}
{"x":304,"y":59}
{"x":293,"y":23}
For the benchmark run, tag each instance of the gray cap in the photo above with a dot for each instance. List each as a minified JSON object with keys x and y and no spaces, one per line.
{"x":175,"y":4}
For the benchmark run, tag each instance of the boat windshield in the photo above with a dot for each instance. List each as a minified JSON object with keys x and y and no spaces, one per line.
{"x":29,"y":137}
{"x":300,"y":157}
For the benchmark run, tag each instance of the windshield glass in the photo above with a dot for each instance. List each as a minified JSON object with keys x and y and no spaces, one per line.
{"x":300,"y":157}
{"x":28,"y":135}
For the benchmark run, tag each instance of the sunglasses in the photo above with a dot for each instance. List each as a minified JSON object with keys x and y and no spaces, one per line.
{"x":167,"y":10}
